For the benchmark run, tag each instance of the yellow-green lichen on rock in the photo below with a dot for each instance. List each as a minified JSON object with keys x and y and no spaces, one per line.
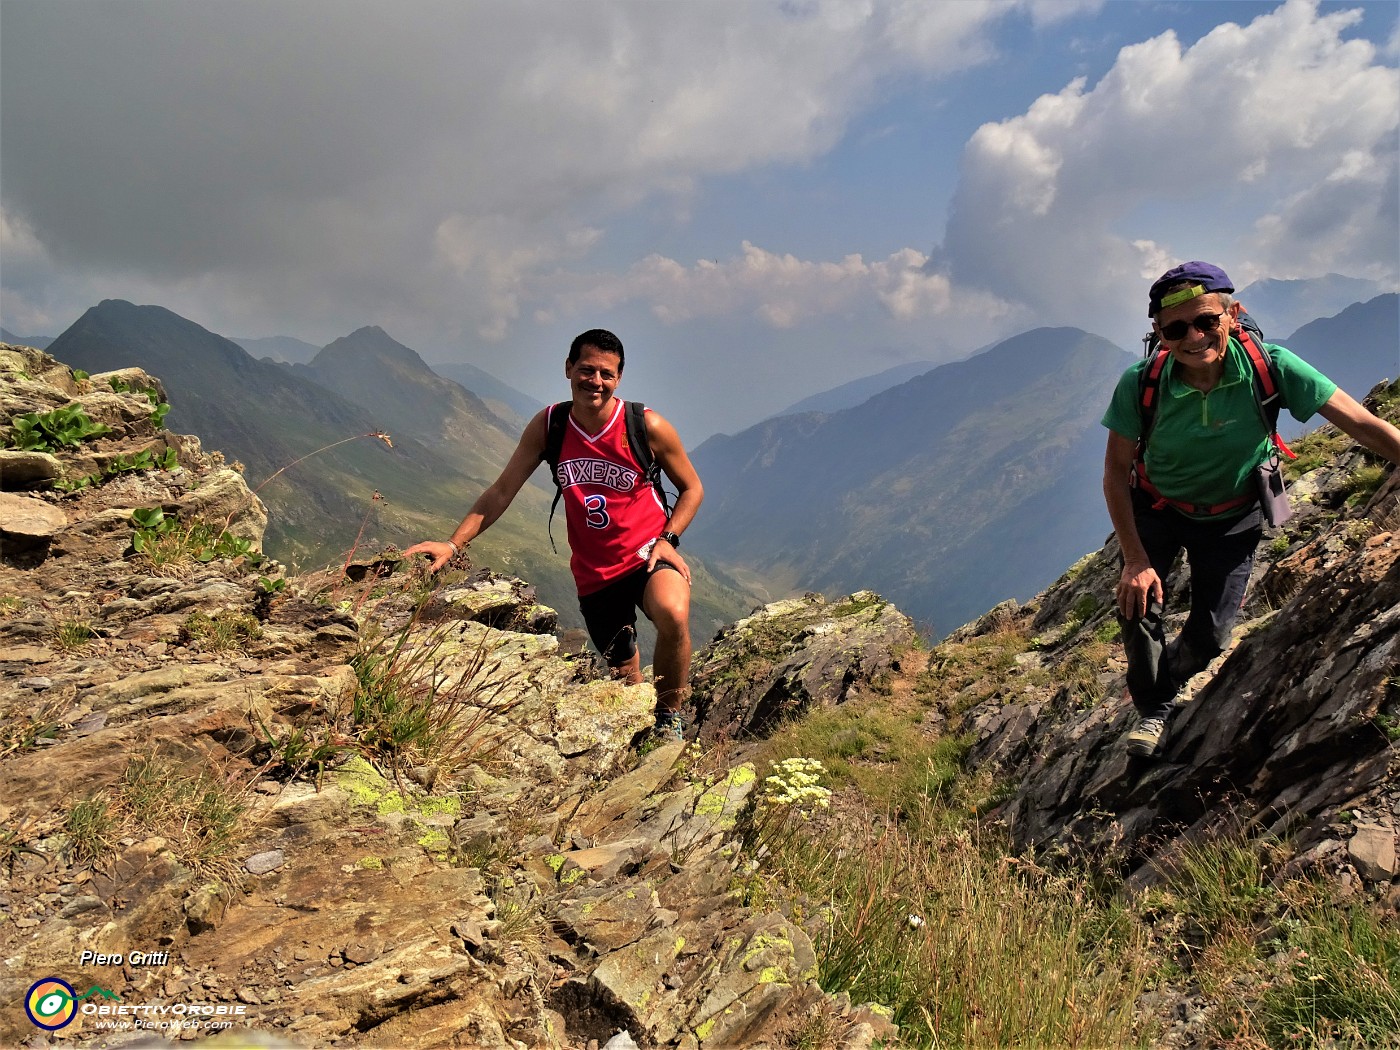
{"x":368,"y":787}
{"x":435,"y":841}
{"x":762,"y":942}
{"x":717,"y":799}
{"x":434,"y":805}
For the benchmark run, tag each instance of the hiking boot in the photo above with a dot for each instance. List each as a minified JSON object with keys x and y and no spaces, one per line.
{"x":1143,"y":740}
{"x":670,"y":725}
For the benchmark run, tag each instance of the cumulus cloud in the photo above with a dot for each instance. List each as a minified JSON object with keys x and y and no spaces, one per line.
{"x":777,"y":289}
{"x":321,"y":158}
{"x":498,"y":257}
{"x":1270,"y":146}
{"x":448,"y":169}
{"x":1272,"y":142}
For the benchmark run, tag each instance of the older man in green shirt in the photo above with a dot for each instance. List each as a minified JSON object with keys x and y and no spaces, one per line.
{"x":1193,"y":484}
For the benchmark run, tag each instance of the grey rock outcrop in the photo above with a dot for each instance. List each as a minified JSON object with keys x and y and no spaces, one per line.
{"x":1291,"y":733}
{"x":792,"y":655}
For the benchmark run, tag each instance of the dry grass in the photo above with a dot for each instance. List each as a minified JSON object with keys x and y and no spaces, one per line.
{"x":23,"y":725}
{"x":198,"y":811}
{"x":966,"y":945}
{"x":423,"y":703}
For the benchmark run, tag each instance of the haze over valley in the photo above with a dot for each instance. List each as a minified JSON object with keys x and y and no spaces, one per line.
{"x":948,"y":492}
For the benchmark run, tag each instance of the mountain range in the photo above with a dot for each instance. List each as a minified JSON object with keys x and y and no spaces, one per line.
{"x":370,"y":369}
{"x":1282,"y":306}
{"x":976,"y":481}
{"x":848,"y":395}
{"x":266,"y":417}
{"x":503,"y":399}
{"x":1356,"y":349}
{"x":283,"y":348}
{"x":39,"y":342}
{"x":947,"y":491}
{"x":304,"y":434}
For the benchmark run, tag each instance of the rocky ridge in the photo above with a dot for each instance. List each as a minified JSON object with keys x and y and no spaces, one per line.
{"x":565,"y":890}
{"x":552,"y":891}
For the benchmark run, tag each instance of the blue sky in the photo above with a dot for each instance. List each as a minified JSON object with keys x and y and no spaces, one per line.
{"x":762,"y":200}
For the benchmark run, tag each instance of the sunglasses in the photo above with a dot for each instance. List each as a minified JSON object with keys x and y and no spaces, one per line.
{"x":1205,"y":324}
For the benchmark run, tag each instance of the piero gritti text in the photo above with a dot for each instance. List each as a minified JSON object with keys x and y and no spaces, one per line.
{"x":91,"y":958}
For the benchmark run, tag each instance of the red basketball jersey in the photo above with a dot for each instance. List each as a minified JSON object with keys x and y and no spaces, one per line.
{"x":613,"y":515}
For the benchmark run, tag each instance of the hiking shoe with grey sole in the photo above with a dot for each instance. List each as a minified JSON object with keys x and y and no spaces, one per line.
{"x":670,"y":725}
{"x":1143,"y":740}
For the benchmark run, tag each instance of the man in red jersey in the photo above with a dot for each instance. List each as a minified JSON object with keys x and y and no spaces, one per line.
{"x":623,"y":544}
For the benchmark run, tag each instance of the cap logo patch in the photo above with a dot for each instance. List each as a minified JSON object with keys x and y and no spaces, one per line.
{"x":1183,"y":295}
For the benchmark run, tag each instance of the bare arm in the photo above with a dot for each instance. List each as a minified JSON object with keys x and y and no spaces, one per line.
{"x":492,"y":503}
{"x":1139,"y":582}
{"x":1352,"y":418}
{"x":675,"y":463}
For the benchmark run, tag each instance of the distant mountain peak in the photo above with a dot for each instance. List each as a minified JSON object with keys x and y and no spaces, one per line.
{"x":1282,"y":306}
{"x":367,"y":342}
{"x":371,"y":330}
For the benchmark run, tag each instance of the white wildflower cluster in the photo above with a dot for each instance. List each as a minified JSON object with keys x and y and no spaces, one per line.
{"x":796,"y":782}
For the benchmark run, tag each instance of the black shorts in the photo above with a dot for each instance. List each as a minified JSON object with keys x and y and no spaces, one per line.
{"x":611,"y":614}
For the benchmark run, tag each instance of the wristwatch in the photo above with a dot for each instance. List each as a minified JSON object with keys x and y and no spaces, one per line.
{"x":671,"y":538}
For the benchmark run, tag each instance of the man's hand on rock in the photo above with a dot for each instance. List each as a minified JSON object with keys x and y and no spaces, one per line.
{"x":440,"y":551}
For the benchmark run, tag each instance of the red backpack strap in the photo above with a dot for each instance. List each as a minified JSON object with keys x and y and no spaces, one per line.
{"x":1262,"y":372}
{"x":1152,"y":380}
{"x":1266,"y":389}
{"x":1149,"y":383}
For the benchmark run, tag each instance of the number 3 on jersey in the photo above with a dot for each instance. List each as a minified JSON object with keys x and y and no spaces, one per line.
{"x":597,"y":508}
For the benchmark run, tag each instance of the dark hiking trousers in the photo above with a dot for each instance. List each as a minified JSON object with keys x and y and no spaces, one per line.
{"x":1220,"y":554}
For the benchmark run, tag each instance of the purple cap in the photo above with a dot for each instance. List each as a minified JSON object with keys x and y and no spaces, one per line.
{"x":1203,"y":275}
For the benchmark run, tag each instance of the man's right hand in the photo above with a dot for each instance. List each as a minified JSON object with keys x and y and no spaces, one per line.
{"x":1138,"y":583}
{"x":440,"y":553}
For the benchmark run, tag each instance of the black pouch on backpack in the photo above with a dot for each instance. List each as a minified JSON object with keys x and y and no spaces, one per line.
{"x":1273,"y":496}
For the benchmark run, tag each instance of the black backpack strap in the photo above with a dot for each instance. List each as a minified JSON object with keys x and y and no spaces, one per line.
{"x":640,"y":444}
{"x":556,"y":421}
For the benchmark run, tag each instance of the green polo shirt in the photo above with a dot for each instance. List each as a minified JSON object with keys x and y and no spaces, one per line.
{"x":1204,"y":447}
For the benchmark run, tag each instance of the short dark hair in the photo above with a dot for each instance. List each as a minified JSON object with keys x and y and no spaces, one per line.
{"x":599,"y":339}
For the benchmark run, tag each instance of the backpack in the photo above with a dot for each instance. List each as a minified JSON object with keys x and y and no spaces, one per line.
{"x":634,"y":416}
{"x":1268,"y":398}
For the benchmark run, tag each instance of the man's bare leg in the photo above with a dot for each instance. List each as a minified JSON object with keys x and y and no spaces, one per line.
{"x":630,"y":670}
{"x":666,"y":603}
